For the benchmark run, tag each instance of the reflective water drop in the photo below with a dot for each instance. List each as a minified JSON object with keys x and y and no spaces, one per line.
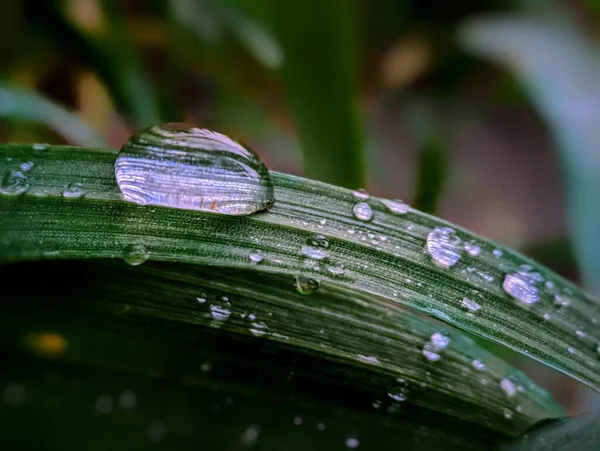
{"x":470,"y":305}
{"x":497,"y":253}
{"x":376,"y":404}
{"x":478,"y":365}
{"x":363,"y":211}
{"x":305,"y":285}
{"x":201,"y":300}
{"x":472,"y":248}
{"x":136,"y":254}
{"x":440,"y":341}
{"x":571,"y":350}
{"x":298,"y":421}
{"x":521,"y":285}
{"x":561,"y":301}
{"x":255,"y":257}
{"x":396,"y":206}
{"x":361,"y":194}
{"x":352,"y":442}
{"x":14,"y":183}
{"x":250,"y":435}
{"x":368,"y":358}
{"x":316,"y":247}
{"x":220,"y":309}
{"x":258,"y":329}
{"x":508,"y":387}
{"x":580,"y":333}
{"x":336,"y":270}
{"x":27,"y":166}
{"x":39,"y":146}
{"x":321,"y":426}
{"x":399,"y":391}
{"x":73,"y":190}
{"x":508,"y":414}
{"x":444,"y":246}
{"x":181,"y":166}
{"x":431,"y":353}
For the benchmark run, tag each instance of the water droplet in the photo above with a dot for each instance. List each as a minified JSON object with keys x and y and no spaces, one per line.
{"x":316,"y":247}
{"x":136,"y":254}
{"x":321,"y":426}
{"x":376,"y":404}
{"x":571,"y":350}
{"x":580,"y":333}
{"x":361,"y":194}
{"x":549,"y":285}
{"x":440,"y":341}
{"x":220,"y":309}
{"x":508,"y":414}
{"x":127,"y":400}
{"x":255,"y":257}
{"x":470,"y":305}
{"x":14,"y":394}
{"x":305,"y":285}
{"x":472,"y":248}
{"x":508,"y":387}
{"x":156,"y":432}
{"x":430,"y":353}
{"x":298,"y":421}
{"x":444,"y":246}
{"x":368,"y":358}
{"x":250,"y":435}
{"x":39,"y":146}
{"x":485,"y":276}
{"x":497,"y":253}
{"x":521,"y":285}
{"x":478,"y":365}
{"x":561,"y":301}
{"x":363,"y":211}
{"x":14,"y":183}
{"x":181,"y":166}
{"x":259,"y":329}
{"x":336,"y":270}
{"x":399,"y":391}
{"x":201,"y":300}
{"x":206,"y":366}
{"x":396,"y":206}
{"x":352,"y":442}
{"x":73,"y":190}
{"x":104,"y":404}
{"x":27,"y":166}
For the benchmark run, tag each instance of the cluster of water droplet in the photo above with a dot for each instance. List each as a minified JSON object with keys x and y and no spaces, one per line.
{"x":436,"y":344}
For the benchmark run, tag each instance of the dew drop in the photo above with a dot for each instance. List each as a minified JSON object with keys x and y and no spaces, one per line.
{"x":27,"y":166}
{"x":259,"y":329}
{"x":39,"y":146}
{"x":521,"y":285}
{"x":508,"y":414}
{"x":316,"y":247}
{"x":352,"y":442}
{"x":440,"y":341}
{"x":250,"y":435}
{"x":472,"y":248}
{"x":478,"y":365}
{"x":298,"y":421}
{"x":305,"y":285}
{"x":363,"y":211}
{"x":136,"y":254}
{"x":561,"y":301}
{"x":396,"y":206}
{"x":336,"y":270}
{"x":508,"y":387}
{"x":73,"y":190}
{"x":14,"y":183}
{"x":361,"y":194}
{"x":470,"y":305}
{"x":255,"y":257}
{"x":321,"y":426}
{"x":181,"y":166}
{"x":444,"y":246}
{"x":376,"y":404}
{"x":399,"y":391}
{"x":220,"y":309}
{"x":580,"y":333}
{"x":497,"y":253}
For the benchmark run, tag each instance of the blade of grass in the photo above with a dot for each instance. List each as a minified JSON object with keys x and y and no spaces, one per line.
{"x":346,"y":351}
{"x":23,"y":105}
{"x":319,"y":72}
{"x":384,"y":257}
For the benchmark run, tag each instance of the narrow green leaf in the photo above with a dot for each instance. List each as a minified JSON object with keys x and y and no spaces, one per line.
{"x":384,"y":257}
{"x":319,"y":72}
{"x":560,"y":69}
{"x":24,"y":105}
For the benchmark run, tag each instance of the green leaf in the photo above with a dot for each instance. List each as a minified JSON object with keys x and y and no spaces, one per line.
{"x":319,"y":72}
{"x":24,"y":105}
{"x":559,"y":68}
{"x":384,"y":259}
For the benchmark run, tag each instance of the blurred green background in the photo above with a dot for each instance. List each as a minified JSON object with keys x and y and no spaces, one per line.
{"x":485,"y":113}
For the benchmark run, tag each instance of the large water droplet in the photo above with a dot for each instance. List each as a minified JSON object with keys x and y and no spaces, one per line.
{"x":306,"y":285}
{"x":396,"y":206}
{"x":444,"y":246}
{"x":399,"y":391}
{"x":363,"y":211}
{"x":136,"y":254}
{"x":521,"y":285}
{"x":181,"y":166}
{"x":14,"y":183}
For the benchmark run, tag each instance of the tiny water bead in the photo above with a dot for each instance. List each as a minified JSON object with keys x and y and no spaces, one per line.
{"x":363,"y":211}
{"x":444,"y":246}
{"x":396,"y":206}
{"x":521,"y":285}
{"x":305,"y":285}
{"x":470,"y":305}
{"x":255,"y":257}
{"x":14,"y":183}
{"x":361,"y":194}
{"x":136,"y":254}
{"x":478,"y":365}
{"x":472,"y":248}
{"x":27,"y":166}
{"x":73,"y":190}
{"x":316,"y":247}
{"x":508,"y":387}
{"x":181,"y":166}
